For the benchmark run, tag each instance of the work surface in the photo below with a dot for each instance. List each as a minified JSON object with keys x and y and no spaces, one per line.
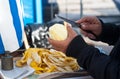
{"x":19,"y":73}
{"x":28,"y":73}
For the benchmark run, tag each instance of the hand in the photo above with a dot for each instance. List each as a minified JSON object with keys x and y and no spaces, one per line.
{"x":62,"y":45}
{"x":92,"y":24}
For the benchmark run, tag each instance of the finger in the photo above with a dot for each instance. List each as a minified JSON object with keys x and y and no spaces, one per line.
{"x":81,"y":20}
{"x":89,"y":35}
{"x":84,"y":19}
{"x":87,"y":19}
{"x":49,"y":40}
{"x":57,"y":45}
{"x":71,"y":32}
{"x":53,"y":42}
{"x":69,"y":29}
{"x":83,"y":32}
{"x":90,"y":27}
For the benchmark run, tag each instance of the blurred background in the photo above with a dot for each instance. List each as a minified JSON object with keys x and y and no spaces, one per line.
{"x":39,"y":15}
{"x":42,"y":11}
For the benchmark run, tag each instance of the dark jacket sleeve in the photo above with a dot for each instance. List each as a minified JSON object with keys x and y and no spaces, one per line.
{"x":110,"y":33}
{"x":99,"y":65}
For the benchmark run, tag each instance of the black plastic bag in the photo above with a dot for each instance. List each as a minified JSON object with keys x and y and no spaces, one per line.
{"x":37,"y":34}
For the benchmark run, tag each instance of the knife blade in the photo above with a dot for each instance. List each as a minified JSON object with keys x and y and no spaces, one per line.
{"x":74,"y":24}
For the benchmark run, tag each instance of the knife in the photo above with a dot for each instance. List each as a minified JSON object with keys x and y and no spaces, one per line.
{"x":75,"y":24}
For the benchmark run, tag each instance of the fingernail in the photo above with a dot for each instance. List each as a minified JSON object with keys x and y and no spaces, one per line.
{"x":83,"y":25}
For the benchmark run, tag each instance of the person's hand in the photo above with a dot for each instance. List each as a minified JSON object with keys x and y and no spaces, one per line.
{"x":90,"y":23}
{"x":62,"y":45}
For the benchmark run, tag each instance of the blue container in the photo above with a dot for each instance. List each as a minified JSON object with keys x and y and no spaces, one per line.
{"x":32,"y":11}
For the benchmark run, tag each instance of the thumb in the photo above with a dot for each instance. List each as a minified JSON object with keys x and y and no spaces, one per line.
{"x":69,"y":28}
{"x":71,"y":32}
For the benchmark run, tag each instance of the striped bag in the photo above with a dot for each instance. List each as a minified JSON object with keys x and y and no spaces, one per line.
{"x":11,"y":25}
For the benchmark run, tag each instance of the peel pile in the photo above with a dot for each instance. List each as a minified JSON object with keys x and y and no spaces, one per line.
{"x":44,"y":60}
